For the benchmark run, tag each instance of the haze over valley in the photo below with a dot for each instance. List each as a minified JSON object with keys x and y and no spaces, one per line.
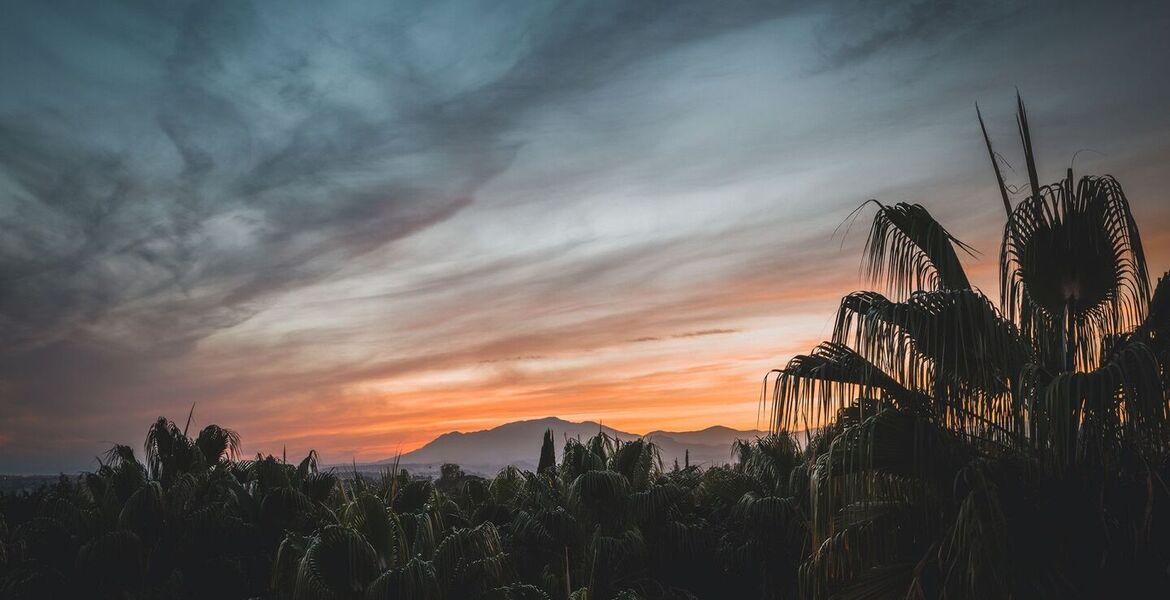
{"x":518,"y":443}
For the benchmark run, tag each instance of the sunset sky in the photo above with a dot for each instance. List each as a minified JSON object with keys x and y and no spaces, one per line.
{"x":353,"y":226}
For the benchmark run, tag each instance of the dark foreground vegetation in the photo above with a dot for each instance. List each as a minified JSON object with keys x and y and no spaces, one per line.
{"x":963,"y":450}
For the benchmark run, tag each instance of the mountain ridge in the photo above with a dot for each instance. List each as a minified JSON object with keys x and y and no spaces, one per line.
{"x":518,"y":443}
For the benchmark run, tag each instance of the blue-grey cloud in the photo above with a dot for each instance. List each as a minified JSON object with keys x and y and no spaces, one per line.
{"x":223,"y":173}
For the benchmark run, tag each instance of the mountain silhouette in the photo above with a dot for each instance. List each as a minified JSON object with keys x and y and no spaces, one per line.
{"x":518,"y":443}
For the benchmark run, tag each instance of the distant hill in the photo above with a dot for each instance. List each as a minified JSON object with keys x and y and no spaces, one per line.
{"x":518,"y":443}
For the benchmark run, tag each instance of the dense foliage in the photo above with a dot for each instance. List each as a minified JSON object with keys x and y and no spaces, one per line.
{"x":607,"y":521}
{"x":961,"y":450}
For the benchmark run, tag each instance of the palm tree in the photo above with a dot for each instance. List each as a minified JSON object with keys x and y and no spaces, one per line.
{"x":970,"y":450}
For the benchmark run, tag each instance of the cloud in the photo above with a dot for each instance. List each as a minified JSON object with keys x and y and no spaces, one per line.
{"x":858,"y":30}
{"x":262,"y":149}
{"x":689,"y":334}
{"x":511,"y":359}
{"x":705,"y":332}
{"x":246,"y":174}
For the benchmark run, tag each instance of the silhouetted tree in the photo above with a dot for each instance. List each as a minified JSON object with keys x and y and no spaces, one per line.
{"x":972,"y":451}
{"x":548,"y":457}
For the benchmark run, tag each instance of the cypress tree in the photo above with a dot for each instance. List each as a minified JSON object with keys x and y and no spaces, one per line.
{"x":548,"y":455}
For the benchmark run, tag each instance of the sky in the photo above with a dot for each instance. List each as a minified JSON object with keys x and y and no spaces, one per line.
{"x":352,"y":226}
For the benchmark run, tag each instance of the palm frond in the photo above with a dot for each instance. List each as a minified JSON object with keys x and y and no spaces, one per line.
{"x":638,"y":460}
{"x":416,"y":580}
{"x":952,"y":345}
{"x":338,"y":563}
{"x":909,"y":251}
{"x":368,"y":515}
{"x":600,"y":494}
{"x":974,"y":554}
{"x":1090,"y":417}
{"x":812,"y":388}
{"x":215,"y":443}
{"x":470,"y":556}
{"x":143,"y":512}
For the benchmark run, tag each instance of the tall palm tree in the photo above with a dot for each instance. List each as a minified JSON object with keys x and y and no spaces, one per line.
{"x":970,"y":450}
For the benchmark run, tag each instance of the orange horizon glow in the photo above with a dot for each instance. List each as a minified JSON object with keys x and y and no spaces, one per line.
{"x":679,"y":383}
{"x":680,"y":361}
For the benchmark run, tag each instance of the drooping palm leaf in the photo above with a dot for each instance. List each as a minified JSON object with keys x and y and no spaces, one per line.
{"x":638,"y":460}
{"x":531,"y":532}
{"x":470,"y":560}
{"x":215,"y":442}
{"x":862,"y":561}
{"x":600,"y":495}
{"x":507,"y":485}
{"x":908,"y":251}
{"x":974,"y":555}
{"x":338,"y":564}
{"x":286,"y":508}
{"x":655,"y":503}
{"x":285,"y":566}
{"x":812,"y":388}
{"x":612,"y":555}
{"x":578,"y":458}
{"x":771,"y":460}
{"x":168,"y":450}
{"x":1087,"y":417}
{"x":951,"y":345}
{"x":143,"y":512}
{"x":368,"y":515}
{"x":319,"y":486}
{"x":416,"y":580}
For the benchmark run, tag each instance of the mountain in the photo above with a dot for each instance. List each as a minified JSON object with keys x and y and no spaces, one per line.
{"x":518,"y":443}
{"x":717,"y":435}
